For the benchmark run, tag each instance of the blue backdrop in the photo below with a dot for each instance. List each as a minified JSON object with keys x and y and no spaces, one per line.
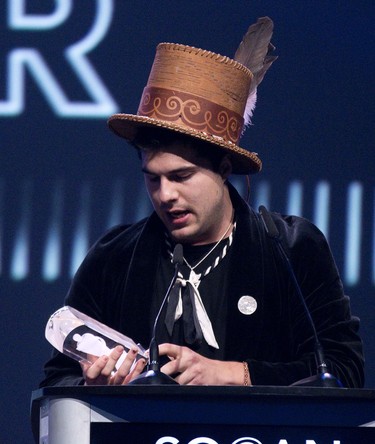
{"x":66,"y":65}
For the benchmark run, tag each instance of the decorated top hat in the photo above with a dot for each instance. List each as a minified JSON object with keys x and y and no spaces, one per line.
{"x":203,"y":95}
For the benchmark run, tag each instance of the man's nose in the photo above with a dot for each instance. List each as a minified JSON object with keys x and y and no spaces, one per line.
{"x":167,"y":190}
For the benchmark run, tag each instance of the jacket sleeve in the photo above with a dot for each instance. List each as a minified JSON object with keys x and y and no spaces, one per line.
{"x":86,"y":294}
{"x":322,"y":289}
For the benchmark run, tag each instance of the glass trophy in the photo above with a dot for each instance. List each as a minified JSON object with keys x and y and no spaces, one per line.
{"x":84,"y":339}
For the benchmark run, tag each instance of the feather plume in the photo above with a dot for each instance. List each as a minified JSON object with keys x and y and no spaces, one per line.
{"x":255,"y":52}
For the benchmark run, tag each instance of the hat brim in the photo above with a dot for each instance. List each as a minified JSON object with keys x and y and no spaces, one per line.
{"x":127,"y":126}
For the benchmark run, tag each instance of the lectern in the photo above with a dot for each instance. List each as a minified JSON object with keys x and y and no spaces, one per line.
{"x":203,"y":415}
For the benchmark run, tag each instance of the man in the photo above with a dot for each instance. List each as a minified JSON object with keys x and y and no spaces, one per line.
{"x":233,"y":316}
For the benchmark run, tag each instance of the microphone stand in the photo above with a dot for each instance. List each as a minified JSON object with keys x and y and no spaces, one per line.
{"x":323,"y":378}
{"x":153,"y":375}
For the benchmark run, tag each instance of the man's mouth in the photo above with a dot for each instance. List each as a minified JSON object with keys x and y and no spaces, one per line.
{"x":178,"y":216}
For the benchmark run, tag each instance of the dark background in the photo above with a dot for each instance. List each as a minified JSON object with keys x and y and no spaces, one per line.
{"x":67,"y":178}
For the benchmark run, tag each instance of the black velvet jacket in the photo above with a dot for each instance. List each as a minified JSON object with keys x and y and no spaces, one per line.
{"x":116,"y":282}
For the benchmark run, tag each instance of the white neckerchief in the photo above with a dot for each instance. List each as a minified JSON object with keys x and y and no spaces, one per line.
{"x":204,"y":321}
{"x":193,"y":283}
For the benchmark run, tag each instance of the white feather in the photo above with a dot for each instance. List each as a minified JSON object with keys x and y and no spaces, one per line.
{"x":249,"y":109}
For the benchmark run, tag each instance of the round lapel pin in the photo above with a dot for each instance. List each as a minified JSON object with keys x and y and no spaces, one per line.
{"x":247,"y":305}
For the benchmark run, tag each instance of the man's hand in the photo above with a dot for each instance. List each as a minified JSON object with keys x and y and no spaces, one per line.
{"x":194,"y":369}
{"x":103,"y":370}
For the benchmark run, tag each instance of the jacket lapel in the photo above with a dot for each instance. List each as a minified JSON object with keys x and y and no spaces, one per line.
{"x":246,"y":278}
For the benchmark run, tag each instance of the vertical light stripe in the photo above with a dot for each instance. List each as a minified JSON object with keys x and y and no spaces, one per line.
{"x":262,"y":195}
{"x":117,"y":203}
{"x":19,"y":267}
{"x":2,"y":207}
{"x":81,"y":234}
{"x":352,"y":260}
{"x":322,"y":206}
{"x":51,"y":266}
{"x":294,"y":198}
{"x":373,"y":241}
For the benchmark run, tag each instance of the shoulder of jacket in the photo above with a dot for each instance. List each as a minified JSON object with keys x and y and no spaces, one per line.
{"x":294,"y":230}
{"x":118,"y":238}
{"x":119,"y":232}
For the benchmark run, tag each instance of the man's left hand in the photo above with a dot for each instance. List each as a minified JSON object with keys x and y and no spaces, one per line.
{"x":194,"y":369}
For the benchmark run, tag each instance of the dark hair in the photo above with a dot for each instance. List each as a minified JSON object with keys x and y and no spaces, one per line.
{"x":150,"y":138}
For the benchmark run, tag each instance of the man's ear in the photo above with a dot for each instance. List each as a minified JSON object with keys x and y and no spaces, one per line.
{"x":225,"y":167}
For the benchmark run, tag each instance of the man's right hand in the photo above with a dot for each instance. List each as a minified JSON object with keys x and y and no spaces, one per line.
{"x":103,"y":370}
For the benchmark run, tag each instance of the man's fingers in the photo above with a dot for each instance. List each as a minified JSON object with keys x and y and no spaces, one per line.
{"x":92,"y":372}
{"x":124,"y":369}
{"x":112,"y":359}
{"x":103,"y":371}
{"x":171,"y":367}
{"x":176,"y":355}
{"x":171,"y":350}
{"x":137,"y":370}
{"x":100,"y":371}
{"x":179,"y":358}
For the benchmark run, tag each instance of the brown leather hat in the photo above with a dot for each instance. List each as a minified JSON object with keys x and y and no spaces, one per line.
{"x":200,"y":94}
{"x":204,"y":95}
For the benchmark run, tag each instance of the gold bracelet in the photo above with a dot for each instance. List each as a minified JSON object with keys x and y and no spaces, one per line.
{"x":246,"y":379}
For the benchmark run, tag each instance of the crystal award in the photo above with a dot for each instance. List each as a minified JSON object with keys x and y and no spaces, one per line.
{"x":85,"y":339}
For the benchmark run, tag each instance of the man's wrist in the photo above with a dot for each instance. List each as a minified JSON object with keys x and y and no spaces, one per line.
{"x":246,"y":374}
{"x":236,"y":373}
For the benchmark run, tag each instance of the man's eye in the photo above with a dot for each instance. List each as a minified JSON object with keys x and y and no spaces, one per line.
{"x":182,"y":178}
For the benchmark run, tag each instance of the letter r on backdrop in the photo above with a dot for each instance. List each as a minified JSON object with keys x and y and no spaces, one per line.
{"x":29,"y":59}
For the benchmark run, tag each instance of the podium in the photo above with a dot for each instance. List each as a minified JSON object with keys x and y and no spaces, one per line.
{"x":202,"y":415}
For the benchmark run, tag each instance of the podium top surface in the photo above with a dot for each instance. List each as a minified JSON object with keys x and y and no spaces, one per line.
{"x":172,"y":391}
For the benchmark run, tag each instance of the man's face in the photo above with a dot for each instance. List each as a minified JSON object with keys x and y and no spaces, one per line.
{"x":189,"y":197}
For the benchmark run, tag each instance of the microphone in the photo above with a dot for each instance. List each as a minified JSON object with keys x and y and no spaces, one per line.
{"x":153,"y":375}
{"x":323,"y":378}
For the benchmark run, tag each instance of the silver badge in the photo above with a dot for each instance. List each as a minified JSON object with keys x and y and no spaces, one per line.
{"x":247,"y":305}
